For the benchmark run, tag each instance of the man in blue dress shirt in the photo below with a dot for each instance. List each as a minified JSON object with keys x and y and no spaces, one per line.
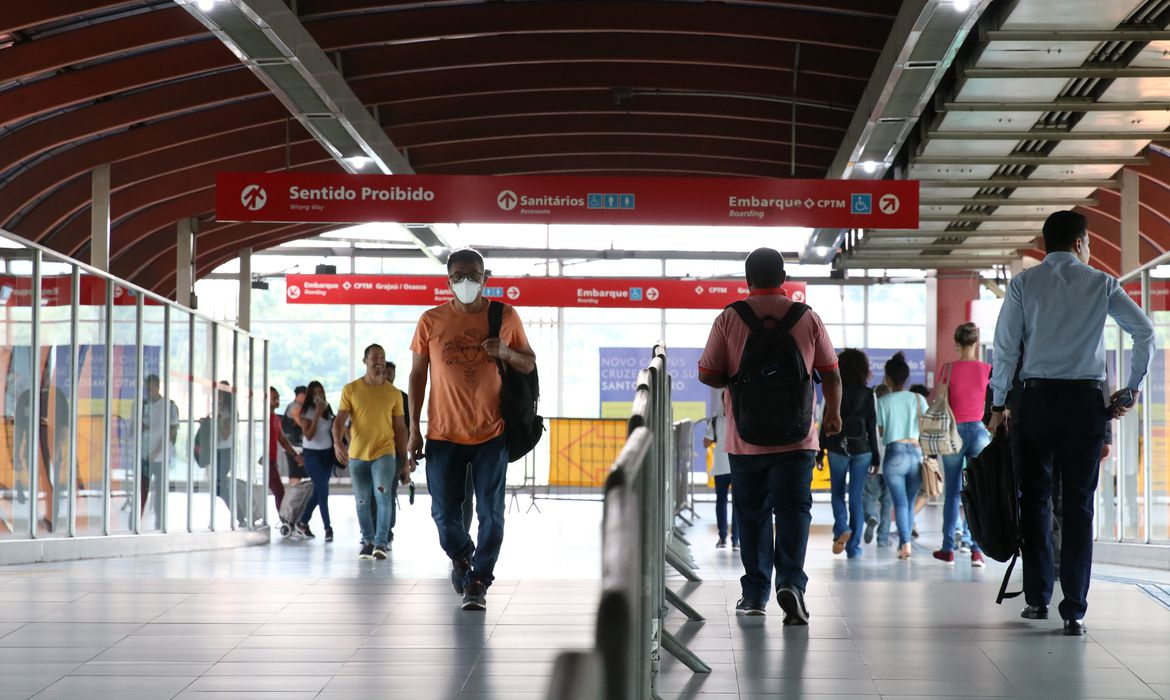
{"x":1057,"y":311}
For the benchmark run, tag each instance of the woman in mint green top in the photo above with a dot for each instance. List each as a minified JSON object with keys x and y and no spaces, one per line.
{"x":897,"y":419}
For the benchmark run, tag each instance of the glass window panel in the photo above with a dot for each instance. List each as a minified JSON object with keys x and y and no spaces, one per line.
{"x":227,"y":414}
{"x":56,"y":414}
{"x":1108,"y":485}
{"x":181,"y":466}
{"x":157,"y":413}
{"x":205,"y":432}
{"x":897,"y":337}
{"x":92,"y":436}
{"x":124,"y":423}
{"x":1158,"y":387}
{"x":17,"y":360}
{"x":838,"y":303}
{"x":897,"y":303}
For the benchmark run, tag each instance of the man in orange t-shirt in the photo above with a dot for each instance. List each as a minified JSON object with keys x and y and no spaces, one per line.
{"x":464,"y":423}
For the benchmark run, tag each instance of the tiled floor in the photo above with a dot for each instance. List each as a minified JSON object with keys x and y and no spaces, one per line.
{"x":307,"y":620}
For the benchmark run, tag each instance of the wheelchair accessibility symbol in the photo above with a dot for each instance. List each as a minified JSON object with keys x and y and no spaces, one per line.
{"x":861,"y":204}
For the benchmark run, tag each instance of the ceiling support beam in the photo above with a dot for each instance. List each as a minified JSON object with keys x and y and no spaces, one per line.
{"x":270,"y":40}
{"x":1063,"y":105}
{"x":1029,"y":160}
{"x":922,"y":262}
{"x":871,"y":247}
{"x":971,"y":216}
{"x":1068,"y":73}
{"x":922,"y":233}
{"x":1063,"y":35}
{"x":992,"y":200}
{"x":1047,"y":135}
{"x":1016,"y":183}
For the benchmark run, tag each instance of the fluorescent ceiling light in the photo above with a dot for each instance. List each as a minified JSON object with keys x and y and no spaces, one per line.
{"x":962,"y":5}
{"x":206,"y":5}
{"x":822,"y":251}
{"x":358,"y":162}
{"x":869,"y":167}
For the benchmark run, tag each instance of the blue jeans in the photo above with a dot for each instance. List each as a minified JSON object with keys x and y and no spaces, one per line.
{"x":879,"y":506}
{"x":766,"y":485}
{"x":319,"y":464}
{"x":722,"y":485}
{"x":855,"y":470}
{"x":903,"y":473}
{"x":975,"y":438}
{"x":446,"y":475}
{"x":379,"y":476}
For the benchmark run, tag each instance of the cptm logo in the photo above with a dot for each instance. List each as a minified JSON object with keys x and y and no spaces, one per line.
{"x":507,"y":200}
{"x":253,"y":198}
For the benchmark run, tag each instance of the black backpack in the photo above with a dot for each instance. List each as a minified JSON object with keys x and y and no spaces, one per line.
{"x":519,"y":394}
{"x":991,"y":502}
{"x":291,"y":429}
{"x":854,"y":431}
{"x":772,"y":394}
{"x":202,"y":447}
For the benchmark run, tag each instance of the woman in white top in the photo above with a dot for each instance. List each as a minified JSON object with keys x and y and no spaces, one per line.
{"x":721,"y":471}
{"x":317,"y":425}
{"x":897,"y":418}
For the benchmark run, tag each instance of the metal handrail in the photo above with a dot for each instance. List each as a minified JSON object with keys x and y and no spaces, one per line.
{"x":637,"y":541}
{"x":142,"y":291}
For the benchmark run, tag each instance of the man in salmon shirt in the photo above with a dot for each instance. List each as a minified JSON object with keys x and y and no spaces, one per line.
{"x":775,"y":478}
{"x":464,"y":423}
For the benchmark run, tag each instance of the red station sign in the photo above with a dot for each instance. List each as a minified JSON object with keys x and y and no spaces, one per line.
{"x":57,"y":290}
{"x":584,"y":292}
{"x":296,"y":197}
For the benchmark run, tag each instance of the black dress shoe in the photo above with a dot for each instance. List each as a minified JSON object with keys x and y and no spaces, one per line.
{"x":1035,"y":612}
{"x":1074,"y":628}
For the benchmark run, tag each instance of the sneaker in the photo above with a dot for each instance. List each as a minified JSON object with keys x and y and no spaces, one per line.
{"x":304,"y":530}
{"x":948,"y":557}
{"x":870,"y":526}
{"x":841,"y":541}
{"x":977,"y":559}
{"x":380,"y":551}
{"x":459,"y":570}
{"x":957,"y":538}
{"x":721,"y":544}
{"x":964,"y":547}
{"x":328,"y":534}
{"x":750,"y":607}
{"x":475,"y":598}
{"x":791,"y":601}
{"x":296,"y":535}
{"x":367,"y":551}
{"x":914,"y":532}
{"x":735,"y":545}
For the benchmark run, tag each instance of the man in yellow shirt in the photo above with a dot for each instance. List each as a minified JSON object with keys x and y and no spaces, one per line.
{"x":376,"y":450}
{"x":464,"y":422}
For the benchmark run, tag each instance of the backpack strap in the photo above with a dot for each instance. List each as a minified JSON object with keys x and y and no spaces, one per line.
{"x":1003,"y":594}
{"x":495,"y":318}
{"x":744,"y":309}
{"x":795,"y":313}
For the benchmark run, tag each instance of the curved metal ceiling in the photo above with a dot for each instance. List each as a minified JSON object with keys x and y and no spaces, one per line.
{"x":655,"y":88}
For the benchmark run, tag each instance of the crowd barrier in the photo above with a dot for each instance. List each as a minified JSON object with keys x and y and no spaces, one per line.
{"x":643,"y":495}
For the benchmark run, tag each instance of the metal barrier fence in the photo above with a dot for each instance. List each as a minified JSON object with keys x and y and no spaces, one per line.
{"x":643,"y":494}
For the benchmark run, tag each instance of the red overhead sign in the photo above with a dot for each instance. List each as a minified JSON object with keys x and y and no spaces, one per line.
{"x":431,"y":290}
{"x":57,"y":290}
{"x":339,"y":198}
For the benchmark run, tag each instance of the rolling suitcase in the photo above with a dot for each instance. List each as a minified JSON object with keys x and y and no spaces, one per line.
{"x":296,"y":497}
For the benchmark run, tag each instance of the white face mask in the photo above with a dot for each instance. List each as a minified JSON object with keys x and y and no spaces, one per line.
{"x":466,"y":291}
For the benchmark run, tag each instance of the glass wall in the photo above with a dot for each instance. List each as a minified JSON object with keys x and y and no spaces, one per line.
{"x":103,"y":386}
{"x":1133,"y":495}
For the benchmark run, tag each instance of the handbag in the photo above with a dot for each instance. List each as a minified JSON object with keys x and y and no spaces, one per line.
{"x":938,"y":433}
{"x":932,"y":478}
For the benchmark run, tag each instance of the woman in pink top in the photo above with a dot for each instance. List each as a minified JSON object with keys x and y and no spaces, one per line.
{"x":967,"y":379}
